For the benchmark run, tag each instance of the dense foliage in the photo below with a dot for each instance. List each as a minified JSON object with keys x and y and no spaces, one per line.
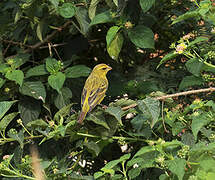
{"x":155,"y":48}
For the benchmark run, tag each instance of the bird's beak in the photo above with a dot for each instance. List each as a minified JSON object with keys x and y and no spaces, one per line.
{"x":109,"y":68}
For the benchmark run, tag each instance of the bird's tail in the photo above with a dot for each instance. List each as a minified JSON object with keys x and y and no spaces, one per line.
{"x":81,"y":117}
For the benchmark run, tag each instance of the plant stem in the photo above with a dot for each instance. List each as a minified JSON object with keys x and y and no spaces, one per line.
{"x":123,"y":169}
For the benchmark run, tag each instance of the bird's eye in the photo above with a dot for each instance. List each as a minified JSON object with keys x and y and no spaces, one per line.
{"x":104,"y":68}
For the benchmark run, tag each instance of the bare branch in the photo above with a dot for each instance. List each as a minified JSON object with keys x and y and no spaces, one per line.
{"x":162,"y":98}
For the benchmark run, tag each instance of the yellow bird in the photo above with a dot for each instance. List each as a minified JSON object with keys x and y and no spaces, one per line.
{"x":94,"y":89}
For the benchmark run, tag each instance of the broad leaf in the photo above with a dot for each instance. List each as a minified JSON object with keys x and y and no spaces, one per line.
{"x":198,"y":40}
{"x":194,"y":66}
{"x":63,"y":99}
{"x":151,"y":107}
{"x":55,"y":3}
{"x":198,"y":122}
{"x":65,"y":111}
{"x":77,"y":71}
{"x":177,"y":166}
{"x":16,"y":75}
{"x":190,"y":81}
{"x":115,"y":46}
{"x":111,"y":34}
{"x":98,"y":118}
{"x":167,"y":57}
{"x":29,"y":109}
{"x":93,"y":147}
{"x":142,"y":36}
{"x":144,"y":150}
{"x":102,"y":18}
{"x":146,"y":4}
{"x":37,"y":71}
{"x":92,"y":8}
{"x":5,"y":106}
{"x":116,"y":112}
{"x":57,"y":81}
{"x":2,"y":81}
{"x":37,"y":123}
{"x":6,"y":120}
{"x":67,"y":10}
{"x":83,"y":20}
{"x":52,"y":65}
{"x":34,"y":89}
{"x":187,"y":15}
{"x":12,"y":133}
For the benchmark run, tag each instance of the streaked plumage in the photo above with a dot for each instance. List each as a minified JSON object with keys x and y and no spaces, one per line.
{"x":94,"y":90}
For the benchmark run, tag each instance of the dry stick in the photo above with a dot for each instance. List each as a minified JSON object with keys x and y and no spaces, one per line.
{"x":211,"y":89}
{"x":48,"y":37}
{"x":37,"y":45}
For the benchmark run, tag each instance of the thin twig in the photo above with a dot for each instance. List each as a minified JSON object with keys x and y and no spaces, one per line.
{"x":48,"y":37}
{"x":53,"y":45}
{"x":211,"y":89}
{"x":45,"y":40}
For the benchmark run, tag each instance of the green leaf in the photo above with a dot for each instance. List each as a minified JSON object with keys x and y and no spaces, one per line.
{"x":198,"y":122}
{"x":188,"y":139}
{"x":55,"y":3}
{"x":177,"y":166}
{"x":5,"y":106}
{"x":29,"y":109}
{"x":125,"y":157}
{"x":52,"y":65}
{"x":2,"y":81}
{"x":98,"y":118}
{"x":4,"y":68}
{"x":102,"y":18}
{"x":37,"y":71}
{"x":17,"y":16}
{"x":146,"y":4}
{"x":16,"y":75}
{"x":167,"y":57}
{"x":57,"y":81}
{"x":198,"y":40}
{"x":37,"y":123}
{"x":98,"y":174}
{"x":19,"y":60}
{"x":204,"y":7}
{"x":134,"y":172}
{"x":134,"y":161}
{"x":67,"y":10}
{"x":194,"y":66}
{"x":6,"y":120}
{"x":111,"y":34}
{"x":93,"y":147}
{"x":77,"y":71}
{"x":40,"y":31}
{"x":12,"y":133}
{"x":142,"y":36}
{"x":111,"y":164}
{"x":116,"y":112}
{"x":83,"y":20}
{"x":187,"y":15}
{"x":65,"y":111}
{"x":144,"y":150}
{"x":150,"y":107}
{"x":115,"y":46}
{"x":34,"y":89}
{"x":190,"y":81}
{"x":92,"y":8}
{"x":63,"y":99}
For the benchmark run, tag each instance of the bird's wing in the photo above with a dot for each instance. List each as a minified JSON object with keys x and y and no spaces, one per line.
{"x":93,"y":92}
